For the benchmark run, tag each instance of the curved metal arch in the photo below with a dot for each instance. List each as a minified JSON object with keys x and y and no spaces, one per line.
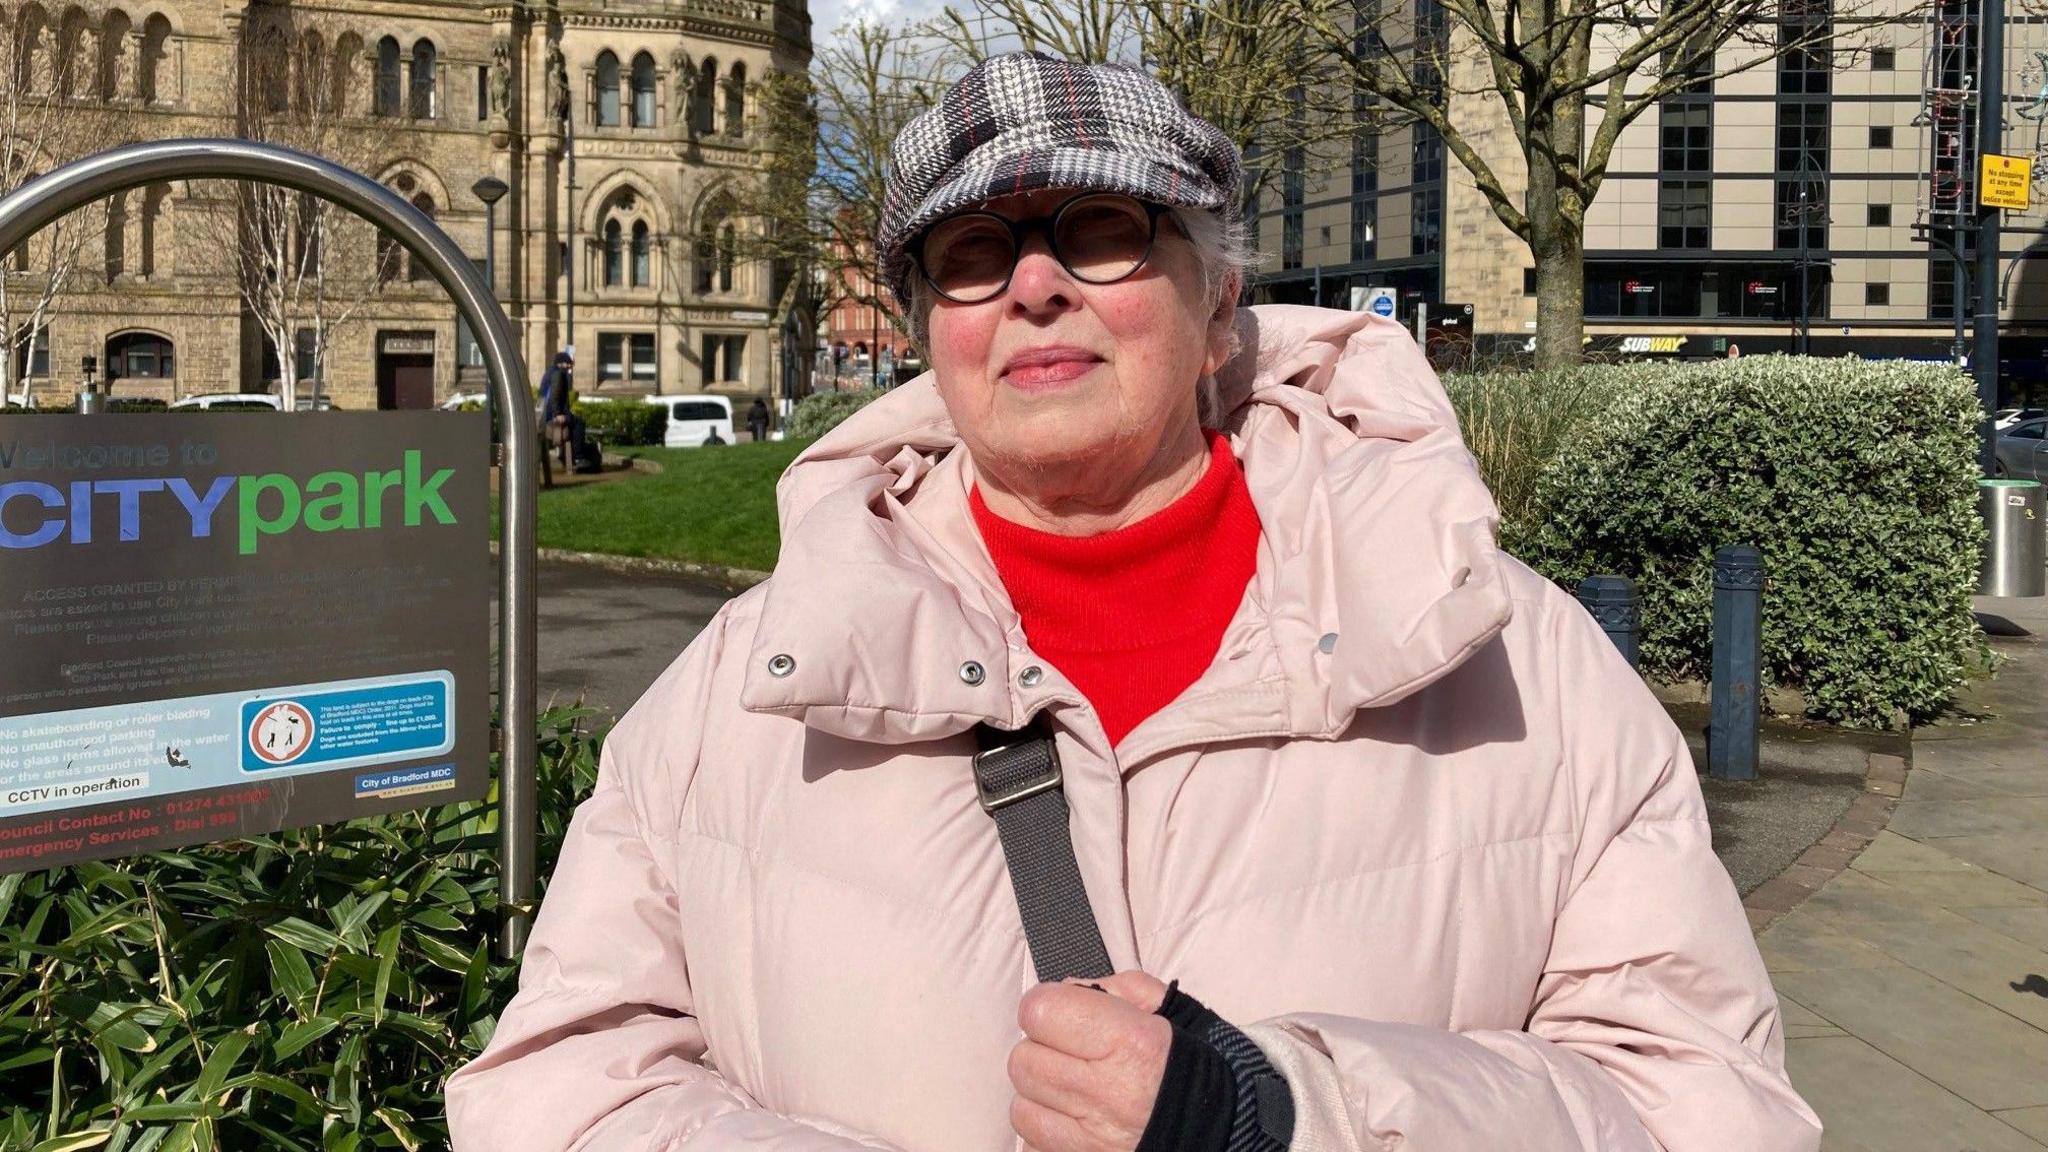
{"x":40,"y":202}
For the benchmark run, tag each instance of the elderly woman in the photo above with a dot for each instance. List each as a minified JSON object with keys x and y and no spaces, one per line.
{"x":1142,"y":744}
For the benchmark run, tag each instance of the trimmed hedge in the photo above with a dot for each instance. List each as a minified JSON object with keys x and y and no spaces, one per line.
{"x":1856,"y":480}
{"x":820,"y":412}
{"x":307,"y":989}
{"x":624,"y":422}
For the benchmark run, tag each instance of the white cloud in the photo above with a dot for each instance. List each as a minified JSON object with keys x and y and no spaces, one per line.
{"x":829,"y":16}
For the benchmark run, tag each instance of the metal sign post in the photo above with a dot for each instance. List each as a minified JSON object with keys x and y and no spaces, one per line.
{"x":42,"y":201}
{"x":1990,"y":141}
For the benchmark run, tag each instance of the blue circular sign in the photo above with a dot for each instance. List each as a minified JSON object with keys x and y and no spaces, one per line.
{"x":1383,"y":305}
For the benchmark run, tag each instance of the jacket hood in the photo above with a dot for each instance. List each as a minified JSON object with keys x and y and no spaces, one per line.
{"x":1378,"y":569}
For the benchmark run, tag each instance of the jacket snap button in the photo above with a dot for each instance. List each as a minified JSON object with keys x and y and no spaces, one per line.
{"x":971,"y":672}
{"x":781,"y":665}
{"x":1031,"y":676}
{"x":1327,"y":644}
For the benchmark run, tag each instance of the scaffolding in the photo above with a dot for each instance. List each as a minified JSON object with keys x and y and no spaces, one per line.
{"x":1948,"y":110}
{"x":1946,"y":212}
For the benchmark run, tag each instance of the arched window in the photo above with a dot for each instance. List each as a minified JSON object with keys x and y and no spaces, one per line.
{"x":268,"y":71}
{"x":727,"y":249}
{"x":643,"y":270}
{"x":309,"y":74}
{"x":140,"y":356}
{"x":156,"y":48}
{"x":117,"y":236}
{"x":614,"y":253}
{"x":384,"y":97}
{"x":307,"y":214}
{"x":341,"y":74}
{"x":704,"y":253}
{"x":113,"y":48}
{"x":643,"y":91}
{"x":423,"y":107}
{"x":30,"y":26}
{"x":606,"y":112}
{"x":702,"y":101}
{"x":736,"y":101}
{"x":153,"y":201}
{"x":416,"y":269}
{"x":390,"y":259}
{"x":70,"y":72}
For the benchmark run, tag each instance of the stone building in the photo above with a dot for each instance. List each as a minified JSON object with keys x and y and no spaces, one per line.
{"x":645,"y":105}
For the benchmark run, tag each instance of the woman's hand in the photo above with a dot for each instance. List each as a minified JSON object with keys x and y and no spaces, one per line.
{"x":1089,"y":1066}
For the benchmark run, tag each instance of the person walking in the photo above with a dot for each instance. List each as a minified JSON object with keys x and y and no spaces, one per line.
{"x":1142,"y":745}
{"x":757,"y":419}
{"x":552,"y":382}
{"x":563,"y":428}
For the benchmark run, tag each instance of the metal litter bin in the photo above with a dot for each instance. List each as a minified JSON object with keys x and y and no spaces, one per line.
{"x":2015,"y":559}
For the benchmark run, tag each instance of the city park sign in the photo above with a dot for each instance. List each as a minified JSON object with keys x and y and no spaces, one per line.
{"x":220,"y":624}
{"x":223,"y":624}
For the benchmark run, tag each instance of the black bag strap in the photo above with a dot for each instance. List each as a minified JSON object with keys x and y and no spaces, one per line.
{"x":1018,"y":776}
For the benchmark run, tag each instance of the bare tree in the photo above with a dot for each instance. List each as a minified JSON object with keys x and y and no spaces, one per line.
{"x":1459,"y":67}
{"x":58,"y":102}
{"x":303,"y":267}
{"x":1250,"y":67}
{"x":783,"y":234}
{"x":830,"y":130}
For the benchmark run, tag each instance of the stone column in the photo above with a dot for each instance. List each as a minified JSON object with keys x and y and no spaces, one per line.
{"x":127,"y":68}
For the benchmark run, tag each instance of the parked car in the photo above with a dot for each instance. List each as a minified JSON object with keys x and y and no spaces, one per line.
{"x":218,"y":401}
{"x":2021,"y":451}
{"x":694,"y":418}
{"x":2007,"y":417}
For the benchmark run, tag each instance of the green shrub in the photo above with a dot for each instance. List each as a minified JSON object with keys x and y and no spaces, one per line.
{"x":820,"y":412}
{"x":1856,"y":480}
{"x":308,"y":989}
{"x":1515,"y":423}
{"x":624,"y":422}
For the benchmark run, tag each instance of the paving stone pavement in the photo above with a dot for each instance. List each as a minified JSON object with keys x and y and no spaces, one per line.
{"x":1915,"y":982}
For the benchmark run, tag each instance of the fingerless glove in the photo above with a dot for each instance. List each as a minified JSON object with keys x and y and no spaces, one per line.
{"x":1219,"y":1093}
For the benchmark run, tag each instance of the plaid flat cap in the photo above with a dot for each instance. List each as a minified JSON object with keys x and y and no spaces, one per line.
{"x":1024,"y":121}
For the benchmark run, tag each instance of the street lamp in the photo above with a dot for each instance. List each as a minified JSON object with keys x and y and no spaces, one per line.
{"x":1811,"y":206}
{"x":490,"y":190}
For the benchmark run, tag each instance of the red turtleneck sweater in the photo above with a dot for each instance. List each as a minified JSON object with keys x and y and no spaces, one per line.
{"x":1134,"y":616}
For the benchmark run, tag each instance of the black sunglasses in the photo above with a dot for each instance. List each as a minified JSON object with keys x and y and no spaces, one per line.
{"x":1098,"y":237}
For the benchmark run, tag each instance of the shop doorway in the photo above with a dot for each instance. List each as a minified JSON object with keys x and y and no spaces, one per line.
{"x":405,"y":370}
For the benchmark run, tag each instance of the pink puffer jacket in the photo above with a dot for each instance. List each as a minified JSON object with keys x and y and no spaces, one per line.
{"x":1418,"y":830}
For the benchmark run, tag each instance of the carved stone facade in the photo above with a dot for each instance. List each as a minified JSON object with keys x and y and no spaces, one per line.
{"x":666,"y":144}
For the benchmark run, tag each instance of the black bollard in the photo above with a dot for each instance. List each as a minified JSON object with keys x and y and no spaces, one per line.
{"x":1611,"y":600}
{"x":1738,"y":662}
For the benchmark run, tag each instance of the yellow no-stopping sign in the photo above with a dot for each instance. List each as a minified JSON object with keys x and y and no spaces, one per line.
{"x":2005,"y":181}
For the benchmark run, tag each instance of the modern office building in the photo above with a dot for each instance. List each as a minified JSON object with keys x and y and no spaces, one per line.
{"x":1815,"y":166}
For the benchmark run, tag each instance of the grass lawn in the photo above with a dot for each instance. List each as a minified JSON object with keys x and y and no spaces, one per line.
{"x":710,"y":505}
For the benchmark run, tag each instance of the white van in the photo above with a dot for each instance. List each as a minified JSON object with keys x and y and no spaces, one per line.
{"x":694,"y":418}
{"x":217,"y":401}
